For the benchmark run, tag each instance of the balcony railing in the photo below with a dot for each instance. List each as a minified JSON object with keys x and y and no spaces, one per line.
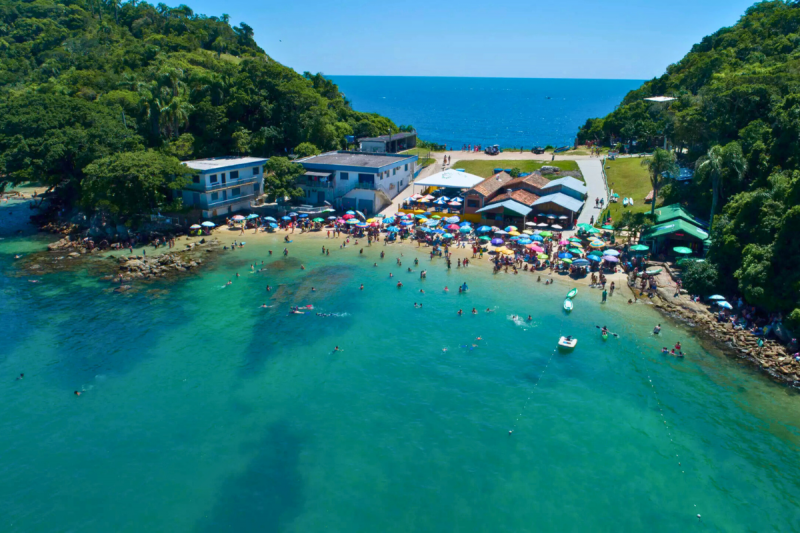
{"x":315,"y":184}
{"x":230,"y":200}
{"x":200,"y":187}
{"x":366,"y":186}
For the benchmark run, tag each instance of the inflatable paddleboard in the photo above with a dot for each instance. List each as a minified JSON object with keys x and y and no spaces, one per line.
{"x":568,"y":305}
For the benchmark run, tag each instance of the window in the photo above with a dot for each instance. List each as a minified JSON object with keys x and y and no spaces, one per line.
{"x":406,"y":167}
{"x":344,"y":176}
{"x":473,"y":203}
{"x":236,"y":191}
{"x":256,"y":171}
{"x":394,"y":172}
{"x":234,"y":174}
{"x":196,"y":179}
{"x":214,"y":196}
{"x":212,"y":178}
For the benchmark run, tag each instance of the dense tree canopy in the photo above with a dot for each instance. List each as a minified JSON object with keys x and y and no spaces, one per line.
{"x":736,"y":121}
{"x":81,"y":80}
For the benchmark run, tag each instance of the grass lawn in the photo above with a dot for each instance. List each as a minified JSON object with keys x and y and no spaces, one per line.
{"x":421,"y":152}
{"x":425,"y":161}
{"x":485,"y":169}
{"x":629,"y":179}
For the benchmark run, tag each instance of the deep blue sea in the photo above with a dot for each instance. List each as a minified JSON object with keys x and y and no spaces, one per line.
{"x":510,"y":112}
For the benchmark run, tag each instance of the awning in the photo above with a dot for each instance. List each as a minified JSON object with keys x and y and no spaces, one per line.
{"x":675,"y":226}
{"x":511,"y":205}
{"x":450,"y":178}
{"x":318,"y":174}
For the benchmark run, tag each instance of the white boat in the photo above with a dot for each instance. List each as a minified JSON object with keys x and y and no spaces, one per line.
{"x":567,"y":342}
{"x":630,"y":201}
{"x":625,"y":202}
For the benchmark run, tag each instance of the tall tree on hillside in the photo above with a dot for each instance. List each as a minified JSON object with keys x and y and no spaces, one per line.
{"x":722,"y":164}
{"x":660,"y":162}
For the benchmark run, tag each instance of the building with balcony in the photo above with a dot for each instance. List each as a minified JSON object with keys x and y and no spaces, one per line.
{"x":223,"y":185}
{"x":355,"y":180}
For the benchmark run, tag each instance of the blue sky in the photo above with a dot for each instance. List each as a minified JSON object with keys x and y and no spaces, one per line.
{"x":624,"y":39}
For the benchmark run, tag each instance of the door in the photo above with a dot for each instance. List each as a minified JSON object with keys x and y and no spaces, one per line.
{"x":224,"y":180}
{"x":320,"y":197}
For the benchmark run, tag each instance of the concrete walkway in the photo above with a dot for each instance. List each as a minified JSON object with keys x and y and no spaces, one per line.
{"x":592,"y":170}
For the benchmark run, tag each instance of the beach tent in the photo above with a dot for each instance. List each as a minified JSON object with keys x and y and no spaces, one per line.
{"x":450,"y":179}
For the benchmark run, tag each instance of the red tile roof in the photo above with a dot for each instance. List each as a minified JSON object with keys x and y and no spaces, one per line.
{"x":490,"y":185}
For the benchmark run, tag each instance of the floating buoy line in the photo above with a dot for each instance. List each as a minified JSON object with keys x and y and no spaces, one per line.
{"x":530,"y":393}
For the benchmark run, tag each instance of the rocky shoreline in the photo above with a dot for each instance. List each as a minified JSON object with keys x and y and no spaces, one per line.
{"x":772,"y":359}
{"x":67,"y":254}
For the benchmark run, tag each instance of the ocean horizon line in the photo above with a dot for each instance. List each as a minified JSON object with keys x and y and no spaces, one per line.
{"x":478,"y":77}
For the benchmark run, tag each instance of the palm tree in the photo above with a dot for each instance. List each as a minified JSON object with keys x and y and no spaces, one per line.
{"x":660,"y":162}
{"x":722,"y":163}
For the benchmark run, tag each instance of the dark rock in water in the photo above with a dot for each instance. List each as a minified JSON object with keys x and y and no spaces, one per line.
{"x":123,"y":288}
{"x":35,"y":267}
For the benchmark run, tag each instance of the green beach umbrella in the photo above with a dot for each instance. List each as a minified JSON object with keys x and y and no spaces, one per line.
{"x":484,"y":238}
{"x":639,"y":248}
{"x":318,"y":220}
{"x":682,"y":250}
{"x":593,"y":230}
{"x":546,"y":233}
{"x":567,"y":260}
{"x":607,"y":226}
{"x":543,"y":256}
{"x":576,"y":251}
{"x":585,"y":226}
{"x":575,"y":240}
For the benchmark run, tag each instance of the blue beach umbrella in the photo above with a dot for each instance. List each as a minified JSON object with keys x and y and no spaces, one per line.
{"x":498,"y":242}
{"x":251,"y":216}
{"x":465,"y":223}
{"x":465,"y":229}
{"x":448,"y":235}
{"x":453,"y":220}
{"x":420,"y":216}
{"x":724,"y":304}
{"x":580,"y":262}
{"x":270,"y":219}
{"x":286,"y":218}
{"x":208,"y":224}
{"x":484,"y":229}
{"x":393,"y":229}
{"x":516,"y":237}
{"x":716,"y":297}
{"x":405,"y":223}
{"x":611,"y":252}
{"x":425,"y":230}
{"x":565,"y":255}
{"x":350,"y":213}
{"x":538,"y":238}
{"x":304,"y":215}
{"x":292,"y":214}
{"x":389,"y":220}
{"x":438,"y":231}
{"x":273,"y":225}
{"x":524,"y":241}
{"x":594,"y":258}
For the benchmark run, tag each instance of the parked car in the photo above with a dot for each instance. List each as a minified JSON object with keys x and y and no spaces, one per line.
{"x":537,"y":150}
{"x":492,"y":150}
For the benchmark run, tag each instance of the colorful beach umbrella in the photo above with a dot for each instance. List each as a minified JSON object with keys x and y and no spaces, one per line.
{"x":352,"y":221}
{"x":273,"y":225}
{"x":511,"y":228}
{"x":567,"y":260}
{"x":195,"y":226}
{"x":238,"y":218}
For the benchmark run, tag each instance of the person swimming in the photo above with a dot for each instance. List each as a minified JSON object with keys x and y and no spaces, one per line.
{"x":21,"y":376}
{"x":399,"y":284}
{"x":460,"y":312}
{"x":77,"y":393}
{"x":229,"y":283}
{"x":474,"y":311}
{"x":657,"y":329}
{"x":446,"y":289}
{"x":530,"y":318}
{"x":362,"y":287}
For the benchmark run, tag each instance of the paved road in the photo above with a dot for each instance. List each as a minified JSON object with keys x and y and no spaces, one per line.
{"x":592,"y":170}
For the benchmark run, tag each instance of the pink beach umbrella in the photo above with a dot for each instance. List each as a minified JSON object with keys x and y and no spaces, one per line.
{"x":535,"y":248}
{"x":563,"y":242}
{"x":453,"y":227}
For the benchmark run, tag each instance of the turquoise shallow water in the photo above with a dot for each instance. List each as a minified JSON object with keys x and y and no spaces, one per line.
{"x":204,"y":412}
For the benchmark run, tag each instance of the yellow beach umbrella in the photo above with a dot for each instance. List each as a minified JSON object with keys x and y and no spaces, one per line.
{"x":370,"y":220}
{"x":514,"y":233}
{"x":528,"y":232}
{"x":597,"y":244}
{"x":419,"y":211}
{"x":507,"y":252}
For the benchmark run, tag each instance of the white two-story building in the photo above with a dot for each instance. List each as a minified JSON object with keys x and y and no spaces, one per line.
{"x":355,"y":180}
{"x":224,"y":185}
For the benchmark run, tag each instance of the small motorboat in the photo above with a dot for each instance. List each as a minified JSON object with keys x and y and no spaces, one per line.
{"x":567,"y":342}
{"x":571,"y":294}
{"x":625,"y":202}
{"x":568,"y":305}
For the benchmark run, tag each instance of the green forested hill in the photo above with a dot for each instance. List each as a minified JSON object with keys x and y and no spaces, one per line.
{"x":737,"y":121}
{"x":85,"y":79}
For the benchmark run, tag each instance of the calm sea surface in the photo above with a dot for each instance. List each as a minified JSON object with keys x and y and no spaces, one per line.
{"x":505,"y":111}
{"x":205,"y":413}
